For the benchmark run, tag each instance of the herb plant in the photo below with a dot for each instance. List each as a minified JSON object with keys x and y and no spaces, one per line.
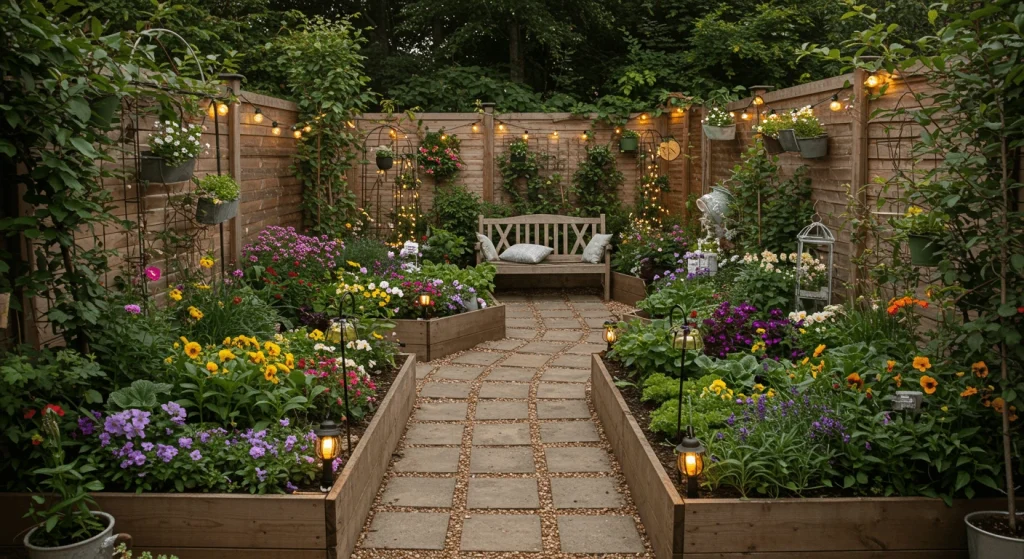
{"x":221,"y":188}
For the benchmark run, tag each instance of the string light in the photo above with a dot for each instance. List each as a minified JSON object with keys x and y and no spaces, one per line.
{"x":584,"y":136}
{"x":351,"y":124}
{"x":307,"y":129}
{"x":526,"y":135}
{"x":873,"y":81}
{"x":758,"y":100}
{"x":444,"y":137}
{"x":475,"y":128}
{"x":679,"y":110}
{"x":745,"y":115}
{"x":257,"y":116}
{"x":275,"y":129}
{"x":554,"y":134}
{"x":296,"y":132}
{"x":392,"y":133}
{"x":222,"y":109}
{"x":643,"y":117}
{"x":501,"y":128}
{"x":618,"y":131}
{"x":835,"y":105}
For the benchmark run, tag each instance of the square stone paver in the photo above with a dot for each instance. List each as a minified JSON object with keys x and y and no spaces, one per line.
{"x":440,"y":411}
{"x":568,"y":432}
{"x":595,"y":322}
{"x":408,"y":530}
{"x":595,"y":337}
{"x":586,"y":493}
{"x":602,"y":313}
{"x":426,"y":459}
{"x":503,"y":390}
{"x":506,"y":344}
{"x":589,"y":304}
{"x":520,"y":322}
{"x":521,"y":333}
{"x":599,"y":534}
{"x":562,"y":390}
{"x":587,"y":348}
{"x":434,"y":434}
{"x":515,"y":374}
{"x":502,"y":410}
{"x":518,"y":311}
{"x":526,"y":360}
{"x":445,"y":390}
{"x":478,"y":358}
{"x":563,"y":335}
{"x":578,"y":459}
{"x":423,"y":369}
{"x":502,"y":532}
{"x":565,"y":375}
{"x":577,"y":298}
{"x":572,"y":361}
{"x":458,"y":373}
{"x":503,"y":494}
{"x":562,"y":409}
{"x":542,"y":347}
{"x":559,"y":313}
{"x":562,"y":323}
{"x":501,"y":434}
{"x":485,"y":460}
{"x":419,"y":492}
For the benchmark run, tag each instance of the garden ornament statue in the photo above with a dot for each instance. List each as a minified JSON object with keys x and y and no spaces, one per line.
{"x":714,"y":205}
{"x":819,"y":236}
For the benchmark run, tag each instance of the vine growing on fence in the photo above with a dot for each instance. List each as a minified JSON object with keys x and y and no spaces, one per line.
{"x":528,"y":190}
{"x":597,"y":181}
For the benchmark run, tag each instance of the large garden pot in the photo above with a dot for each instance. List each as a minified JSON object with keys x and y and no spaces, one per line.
{"x":788,"y":141}
{"x":628,"y":144}
{"x":103,"y":110}
{"x":100,"y":546}
{"x":155,"y":169}
{"x":210,"y":213}
{"x":715,"y":203}
{"x":986,"y":545}
{"x":720,"y":133}
{"x":772,"y":145}
{"x":923,"y":250}
{"x":385,"y":163}
{"x":813,"y":148}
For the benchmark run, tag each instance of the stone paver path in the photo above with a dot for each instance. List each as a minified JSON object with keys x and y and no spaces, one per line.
{"x":504,"y":456}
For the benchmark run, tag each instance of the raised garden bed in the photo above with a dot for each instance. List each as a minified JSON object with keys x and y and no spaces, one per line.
{"x":857,"y":527}
{"x":628,"y":289}
{"x":301,"y":525}
{"x":437,"y":337}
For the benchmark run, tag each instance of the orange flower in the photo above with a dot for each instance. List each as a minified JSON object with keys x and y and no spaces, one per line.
{"x":922,"y":364}
{"x":970,"y":391}
{"x":898,"y":379}
{"x":854,"y":381}
{"x":997,"y":405}
{"x":980,"y":369}
{"x":818,"y":350}
{"x":929,"y":384}
{"x":889,"y":365}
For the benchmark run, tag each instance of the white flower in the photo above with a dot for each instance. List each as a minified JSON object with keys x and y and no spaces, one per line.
{"x":782,"y":256}
{"x":371,"y":363}
{"x":384,"y":285}
{"x":372,"y":286}
{"x":176,"y":143}
{"x":322,"y":347}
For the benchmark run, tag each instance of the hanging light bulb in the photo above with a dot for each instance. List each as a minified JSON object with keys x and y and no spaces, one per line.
{"x":351,"y":124}
{"x":758,"y":100}
{"x":745,"y":115}
{"x":554,"y":134}
{"x":211,"y":110}
{"x":475,"y":127}
{"x":643,"y":117}
{"x":873,"y":81}
{"x":679,"y":110}
{"x":835,"y":105}
{"x":222,"y":109}
{"x":444,"y":137}
{"x":526,"y":135}
{"x":584,"y":136}
{"x":618,"y":131}
{"x":275,"y":128}
{"x":257,"y":116}
{"x":296,"y":132}
{"x":501,"y":127}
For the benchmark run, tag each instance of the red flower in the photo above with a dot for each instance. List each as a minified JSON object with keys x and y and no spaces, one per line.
{"x":1020,"y":310}
{"x":37,"y":440}
{"x":292,"y":274}
{"x":237,"y":300}
{"x":272,"y":271}
{"x":56,"y":409}
{"x":29,"y":414}
{"x":277,"y":296}
{"x":693,"y":314}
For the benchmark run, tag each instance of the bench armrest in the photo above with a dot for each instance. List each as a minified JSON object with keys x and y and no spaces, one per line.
{"x":478,"y":249}
{"x":608,"y":253}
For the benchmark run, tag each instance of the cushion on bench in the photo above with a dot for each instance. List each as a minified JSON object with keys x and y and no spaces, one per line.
{"x":526,"y":253}
{"x":595,"y":248}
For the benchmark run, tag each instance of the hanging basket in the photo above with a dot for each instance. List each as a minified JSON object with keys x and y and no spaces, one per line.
{"x":787,"y":139}
{"x":923,"y":250}
{"x":720,"y":133}
{"x":628,"y":145}
{"x":210,"y":213}
{"x":155,"y":169}
{"x":813,"y":148}
{"x":772,"y":145}
{"x":385,"y":163}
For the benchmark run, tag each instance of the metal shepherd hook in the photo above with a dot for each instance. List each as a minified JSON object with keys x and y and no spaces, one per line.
{"x":342,"y":330}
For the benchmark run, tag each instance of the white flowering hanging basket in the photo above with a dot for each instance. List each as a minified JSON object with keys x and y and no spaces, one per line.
{"x":156,"y":169}
{"x":720,"y":133}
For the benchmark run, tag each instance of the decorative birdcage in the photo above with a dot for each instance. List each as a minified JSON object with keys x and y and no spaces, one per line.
{"x":820,"y":238}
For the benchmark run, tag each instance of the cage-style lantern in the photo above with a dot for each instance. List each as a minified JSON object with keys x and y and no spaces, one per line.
{"x":610,"y":335}
{"x":817,"y":236}
{"x":690,"y":461}
{"x":328,"y":447}
{"x":342,"y":329}
{"x":688,"y":339}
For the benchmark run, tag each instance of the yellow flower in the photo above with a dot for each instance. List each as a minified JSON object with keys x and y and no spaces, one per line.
{"x":257,"y":357}
{"x":289,"y":360}
{"x":718,"y":385}
{"x":195,"y":313}
{"x":174,"y":294}
{"x":273,"y":349}
{"x":211,"y":366}
{"x":193,"y":349}
{"x":760,"y":330}
{"x":176,"y":345}
{"x":206,"y":262}
{"x":225,"y":355}
{"x":353,"y":264}
{"x":817,"y":368}
{"x":270,"y":373}
{"x":944,"y":408}
{"x":202,"y":286}
{"x":283,"y":368}
{"x":818,"y":350}
{"x":959,"y":374}
{"x":806,"y":359}
{"x":169,"y":360}
{"x":922,"y":364}
{"x":220,"y":304}
{"x":889,"y":365}
{"x":316,"y":336}
{"x":802,"y":331}
{"x":759,"y":387}
{"x":377,"y":336}
{"x":771,"y":392}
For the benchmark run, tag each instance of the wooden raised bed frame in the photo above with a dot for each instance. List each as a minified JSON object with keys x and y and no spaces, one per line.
{"x":848,"y":528}
{"x":628,"y":289}
{"x":209,"y":525}
{"x":437,"y":337}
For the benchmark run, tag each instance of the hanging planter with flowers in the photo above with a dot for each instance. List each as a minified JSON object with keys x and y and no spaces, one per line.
{"x":810,"y":134}
{"x":218,"y":199}
{"x":629,"y":142}
{"x":438,"y":155}
{"x":385,"y":157}
{"x":770,"y":129}
{"x":173,"y":149}
{"x":719,"y":125}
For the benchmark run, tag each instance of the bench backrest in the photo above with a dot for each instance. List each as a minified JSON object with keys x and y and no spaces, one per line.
{"x":567,"y":235}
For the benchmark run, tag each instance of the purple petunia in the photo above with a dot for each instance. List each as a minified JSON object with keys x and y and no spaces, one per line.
{"x":195,"y":455}
{"x":86,"y":426}
{"x":261,"y":474}
{"x":128,"y":423}
{"x":132,"y":309}
{"x":257,"y":452}
{"x":166,"y":453}
{"x":185,"y":442}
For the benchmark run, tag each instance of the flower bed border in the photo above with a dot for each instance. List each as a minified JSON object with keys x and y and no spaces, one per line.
{"x":437,"y":337}
{"x":208,"y":525}
{"x":627,"y":289}
{"x":855,"y":527}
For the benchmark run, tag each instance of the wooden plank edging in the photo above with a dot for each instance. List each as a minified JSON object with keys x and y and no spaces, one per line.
{"x":627,"y":289}
{"x":438,"y":337}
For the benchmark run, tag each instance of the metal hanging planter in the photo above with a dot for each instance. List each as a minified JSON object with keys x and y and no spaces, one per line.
{"x":155,"y":169}
{"x":813,"y":148}
{"x":788,"y":141}
{"x":772,"y":145}
{"x":720,"y":133}
{"x":385,"y":163}
{"x":209,"y":212}
{"x":924,"y":250}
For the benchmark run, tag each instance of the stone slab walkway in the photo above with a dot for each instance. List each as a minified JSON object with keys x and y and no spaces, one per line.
{"x":504,"y":455}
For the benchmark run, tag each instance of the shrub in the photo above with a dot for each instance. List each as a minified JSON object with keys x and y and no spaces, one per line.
{"x":768,"y":281}
{"x":219,"y":187}
{"x":456,"y":210}
{"x":445,"y":247}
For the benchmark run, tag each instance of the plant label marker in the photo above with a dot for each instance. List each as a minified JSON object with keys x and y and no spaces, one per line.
{"x":907,"y":400}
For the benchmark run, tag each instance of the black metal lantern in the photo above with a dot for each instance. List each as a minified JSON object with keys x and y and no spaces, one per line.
{"x":424,"y":300}
{"x":610,"y":335}
{"x":328,"y":447}
{"x":690,"y":461}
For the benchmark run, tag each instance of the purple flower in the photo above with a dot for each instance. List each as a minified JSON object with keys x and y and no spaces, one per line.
{"x":185,"y":442}
{"x":166,"y":452}
{"x":261,"y":474}
{"x":86,"y":426}
{"x":732,"y":417}
{"x":284,"y":422}
{"x":867,"y":445}
{"x":132,"y":309}
{"x":257,"y":452}
{"x":195,"y":455}
{"x":237,"y":273}
{"x":104,"y":439}
{"x":153,"y":273}
{"x":128,"y":423}
{"x":175,"y":412}
{"x":146,"y":446}
{"x":289,"y":443}
{"x":204,"y":437}
{"x":290,"y":487}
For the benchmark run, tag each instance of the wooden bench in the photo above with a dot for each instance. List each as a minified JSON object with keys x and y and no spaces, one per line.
{"x":555,"y":231}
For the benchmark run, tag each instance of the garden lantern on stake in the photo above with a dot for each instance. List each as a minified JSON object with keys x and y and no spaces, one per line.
{"x":686,"y":337}
{"x":690,"y":461}
{"x":327,"y":449}
{"x":343,"y":331}
{"x":609,"y":333}
{"x":818,"y":235}
{"x":424,"y":303}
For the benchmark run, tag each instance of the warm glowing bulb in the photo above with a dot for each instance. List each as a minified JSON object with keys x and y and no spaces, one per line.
{"x":758,"y":100}
{"x":835,"y":106}
{"x":745,"y":115}
{"x":424,"y":300}
{"x":444,"y":137}
{"x":618,"y":131}
{"x":257,"y":117}
{"x":643,"y":117}
{"x":211,"y":110}
{"x":476,"y":128}
{"x":351,"y":124}
{"x":872,"y":81}
{"x":297,"y":134}
{"x":275,"y":129}
{"x":583,"y":136}
{"x":307,"y":129}
{"x":555,"y":134}
{"x":732,"y":114}
{"x":327,"y":447}
{"x":222,"y":109}
{"x":501,"y":127}
{"x":526,"y":135}
{"x":679,"y":110}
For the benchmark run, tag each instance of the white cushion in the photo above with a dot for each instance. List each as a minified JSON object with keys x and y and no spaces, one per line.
{"x":490,"y":254}
{"x":595,"y":249}
{"x":526,"y":253}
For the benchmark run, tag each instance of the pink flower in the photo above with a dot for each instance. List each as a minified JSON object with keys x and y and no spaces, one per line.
{"x":153,"y":273}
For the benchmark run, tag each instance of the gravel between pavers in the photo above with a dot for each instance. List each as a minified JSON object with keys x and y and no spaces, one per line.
{"x":551,"y":544}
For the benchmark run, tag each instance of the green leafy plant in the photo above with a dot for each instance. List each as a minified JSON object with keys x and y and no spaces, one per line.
{"x":717,"y":116}
{"x":766,"y":211}
{"x":597,"y":181}
{"x":775,"y":122}
{"x":219,"y":187}
{"x":142,"y":394}
{"x":445,"y":247}
{"x":917,"y":221}
{"x":456,"y":210}
{"x":806,"y":123}
{"x":176,"y":142}
{"x":630,"y":134}
{"x":439,"y":157}
{"x":384,"y":151}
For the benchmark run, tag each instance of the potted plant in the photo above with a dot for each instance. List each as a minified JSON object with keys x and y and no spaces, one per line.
{"x":769,"y":131}
{"x":719,"y":125}
{"x":518,"y":150}
{"x":218,"y":199}
{"x":630,"y":141}
{"x":173,"y":149}
{"x":385,"y":158}
{"x":68,"y":528}
{"x":922,"y":229}
{"x":810,"y":134}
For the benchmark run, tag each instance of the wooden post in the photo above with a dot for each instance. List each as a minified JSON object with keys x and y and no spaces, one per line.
{"x":705,"y":153}
{"x":687,"y":185}
{"x":488,"y":132}
{"x":234,"y":85}
{"x":859,"y":166}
